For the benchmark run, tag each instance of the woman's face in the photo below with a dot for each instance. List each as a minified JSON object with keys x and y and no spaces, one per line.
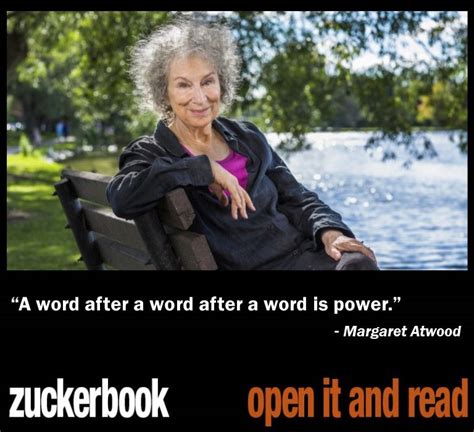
{"x":194,"y":91}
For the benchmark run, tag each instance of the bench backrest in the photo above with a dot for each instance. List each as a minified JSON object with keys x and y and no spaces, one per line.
{"x":157,"y":240}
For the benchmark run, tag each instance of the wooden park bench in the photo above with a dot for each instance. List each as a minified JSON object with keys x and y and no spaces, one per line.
{"x":157,"y":240}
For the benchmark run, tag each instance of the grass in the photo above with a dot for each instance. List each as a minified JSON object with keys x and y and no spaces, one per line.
{"x":37,"y":239}
{"x":101,"y":163}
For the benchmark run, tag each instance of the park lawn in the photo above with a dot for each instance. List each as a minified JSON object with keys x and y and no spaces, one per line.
{"x":102,"y":163}
{"x":37,"y":239}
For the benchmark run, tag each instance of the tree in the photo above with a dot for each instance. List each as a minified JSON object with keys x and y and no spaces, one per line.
{"x":297,"y":71}
{"x":382,"y":93}
{"x":77,"y":62}
{"x":19,"y":25}
{"x":296,"y":93}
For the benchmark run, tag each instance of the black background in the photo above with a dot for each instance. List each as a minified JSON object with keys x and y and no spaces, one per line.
{"x":211,"y":360}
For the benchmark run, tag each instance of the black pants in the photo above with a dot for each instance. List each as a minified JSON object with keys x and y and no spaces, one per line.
{"x":306,"y":258}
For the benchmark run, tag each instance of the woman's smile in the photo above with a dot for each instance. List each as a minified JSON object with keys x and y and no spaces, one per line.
{"x":200,"y":113}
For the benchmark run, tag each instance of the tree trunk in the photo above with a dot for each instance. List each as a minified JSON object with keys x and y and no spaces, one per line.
{"x":30,"y":120}
{"x":16,"y":51}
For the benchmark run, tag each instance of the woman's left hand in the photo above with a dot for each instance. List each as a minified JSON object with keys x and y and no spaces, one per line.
{"x":335,"y":243}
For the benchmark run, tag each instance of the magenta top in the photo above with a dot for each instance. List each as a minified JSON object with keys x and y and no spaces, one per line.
{"x":236,"y":164}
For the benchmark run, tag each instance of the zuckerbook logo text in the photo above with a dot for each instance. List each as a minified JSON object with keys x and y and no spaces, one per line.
{"x":82,"y":402}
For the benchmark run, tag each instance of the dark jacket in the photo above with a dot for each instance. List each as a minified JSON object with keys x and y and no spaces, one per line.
{"x":286,"y":213}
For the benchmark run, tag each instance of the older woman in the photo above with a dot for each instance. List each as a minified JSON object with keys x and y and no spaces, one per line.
{"x":248,"y":204}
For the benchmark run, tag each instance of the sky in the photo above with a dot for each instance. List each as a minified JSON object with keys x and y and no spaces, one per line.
{"x":411,"y":49}
{"x":406,"y":44}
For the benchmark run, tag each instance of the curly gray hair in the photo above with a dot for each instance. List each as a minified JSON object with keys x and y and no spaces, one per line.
{"x":152,"y":56}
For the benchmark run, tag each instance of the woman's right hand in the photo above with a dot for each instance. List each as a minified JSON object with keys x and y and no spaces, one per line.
{"x":225,"y":181}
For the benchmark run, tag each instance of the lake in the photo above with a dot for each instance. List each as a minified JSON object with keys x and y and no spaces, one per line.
{"x":413,"y":218}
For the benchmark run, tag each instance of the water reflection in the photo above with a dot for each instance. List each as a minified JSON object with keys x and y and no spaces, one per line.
{"x":413,"y":218}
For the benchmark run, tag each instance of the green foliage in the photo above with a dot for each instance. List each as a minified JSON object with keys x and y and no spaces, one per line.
{"x":309,"y":84}
{"x":297,"y":72}
{"x":76,"y":66}
{"x":13,"y":138}
{"x":295,"y":94}
{"x":26,"y":149}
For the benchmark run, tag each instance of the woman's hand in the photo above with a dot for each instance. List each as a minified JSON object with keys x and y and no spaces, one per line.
{"x":225,"y":181}
{"x":335,"y":242}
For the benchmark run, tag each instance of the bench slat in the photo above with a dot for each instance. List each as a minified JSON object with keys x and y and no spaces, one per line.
{"x":73,"y":211}
{"x":193,"y":251}
{"x":122,"y":257}
{"x":103,"y":221}
{"x":175,"y":210}
{"x":89,"y":186}
{"x":136,"y":245}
